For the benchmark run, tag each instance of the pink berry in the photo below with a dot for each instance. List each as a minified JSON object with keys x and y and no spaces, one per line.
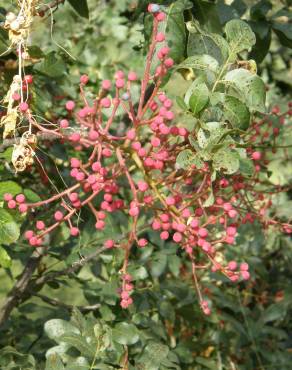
{"x":70,"y":105}
{"x":132,"y":76}
{"x":177,"y":237}
{"x":20,"y":198}
{"x":28,"y":234}
{"x":80,"y":176}
{"x":155,"y":141}
{"x":11,"y":204}
{"x":100,"y":225}
{"x":28,"y":79}
{"x":153,"y":8}
{"x":109,"y":243}
{"x":75,"y":163}
{"x":84,"y":79}
{"x":142,"y":186}
{"x":23,"y":107}
{"x":244,"y":266}
{"x":160,"y":37}
{"x":33,"y":241}
{"x":142,"y":243}
{"x":64,"y":123}
{"x":169,"y":62}
{"x":256,"y":156}
{"x":74,"y":231}
{"x":231,"y":231}
{"x":23,"y":208}
{"x":93,"y":135}
{"x":170,"y":201}
{"x":203,"y":233}
{"x":134,"y":211}
{"x":75,"y":137}
{"x":120,"y":83}
{"x":106,"y":84}
{"x":40,"y":225}
{"x":160,"y":16}
{"x":7,"y":197}
{"x":131,"y":134}
{"x":245,"y":275}
{"x":58,"y":216}
{"x":164,"y":235}
{"x":232,"y":265}
{"x":105,"y":102}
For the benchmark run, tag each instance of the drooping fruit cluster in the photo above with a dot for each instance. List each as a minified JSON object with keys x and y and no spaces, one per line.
{"x":171,"y":198}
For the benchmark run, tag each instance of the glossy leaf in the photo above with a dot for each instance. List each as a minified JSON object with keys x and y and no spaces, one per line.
{"x":9,"y":229}
{"x":81,"y":7}
{"x":126,"y":334}
{"x":199,"y":98}
{"x":239,"y":36}
{"x":236,"y":113}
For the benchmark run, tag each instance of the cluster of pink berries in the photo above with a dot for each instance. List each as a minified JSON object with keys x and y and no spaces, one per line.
{"x":151,"y":143}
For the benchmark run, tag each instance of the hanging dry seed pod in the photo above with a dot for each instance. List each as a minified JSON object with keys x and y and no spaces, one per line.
{"x":23,"y":153}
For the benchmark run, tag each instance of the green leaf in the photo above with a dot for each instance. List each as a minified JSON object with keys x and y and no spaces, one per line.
{"x":260,"y":9}
{"x":81,"y":7}
{"x":212,"y":44}
{"x":125,"y":333}
{"x":7,"y":154}
{"x":158,"y":264}
{"x":226,"y":160}
{"x":246,"y":166}
{"x":174,"y":263}
{"x":175,"y":29}
{"x":249,"y":87}
{"x":207,"y":15}
{"x":35,"y":52}
{"x":52,"y":66}
{"x":31,"y":196}
{"x":239,"y":35}
{"x":236,"y":113}
{"x":274,"y":312}
{"x":54,"y":362}
{"x":85,"y":345}
{"x":207,"y":363}
{"x":5,"y":260}
{"x":210,"y":200}
{"x":138,"y":272}
{"x":262,"y":30}
{"x":9,"y":187}
{"x":180,"y":102}
{"x":9,"y":229}
{"x":153,"y":355}
{"x":188,"y":158}
{"x":284,"y":33}
{"x":199,"y":98}
{"x":202,"y":62}
{"x":56,"y":328}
